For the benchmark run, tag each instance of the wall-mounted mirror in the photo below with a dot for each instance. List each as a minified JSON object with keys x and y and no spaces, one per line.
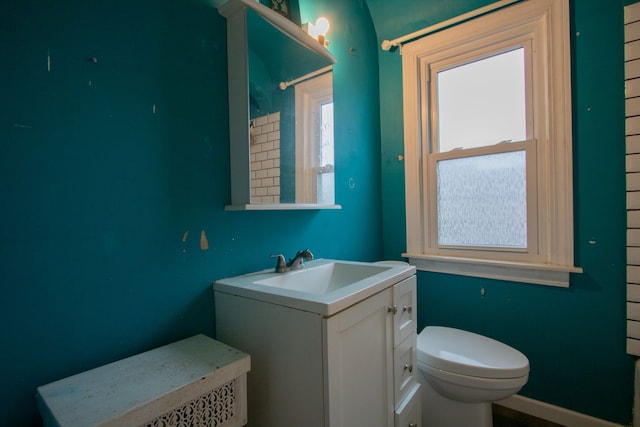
{"x":280,"y":110}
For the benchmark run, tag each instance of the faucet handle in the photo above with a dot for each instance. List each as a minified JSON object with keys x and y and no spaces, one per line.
{"x":306,"y":254}
{"x":281,"y":264}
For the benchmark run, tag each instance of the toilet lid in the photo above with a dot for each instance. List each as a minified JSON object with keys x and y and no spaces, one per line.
{"x":466,"y":353}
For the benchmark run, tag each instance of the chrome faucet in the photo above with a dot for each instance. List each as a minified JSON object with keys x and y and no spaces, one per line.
{"x":296,"y":263}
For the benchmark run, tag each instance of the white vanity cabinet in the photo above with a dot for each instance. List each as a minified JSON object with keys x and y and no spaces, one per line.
{"x":351,"y":368}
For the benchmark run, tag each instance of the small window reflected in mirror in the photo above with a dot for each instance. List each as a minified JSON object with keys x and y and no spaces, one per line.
{"x":314,"y":141}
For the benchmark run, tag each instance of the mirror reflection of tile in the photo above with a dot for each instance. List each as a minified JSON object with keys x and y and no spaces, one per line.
{"x":265,"y":159}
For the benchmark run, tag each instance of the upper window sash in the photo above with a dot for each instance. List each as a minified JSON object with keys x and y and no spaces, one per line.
{"x":434,"y":66}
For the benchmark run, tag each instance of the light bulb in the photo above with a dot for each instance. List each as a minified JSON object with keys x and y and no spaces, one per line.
{"x":322,"y":26}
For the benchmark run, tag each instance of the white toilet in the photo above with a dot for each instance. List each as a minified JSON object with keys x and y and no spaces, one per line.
{"x":462,"y":373}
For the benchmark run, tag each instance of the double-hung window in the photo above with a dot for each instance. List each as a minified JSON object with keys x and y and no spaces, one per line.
{"x":315,"y":171}
{"x":487,"y":121}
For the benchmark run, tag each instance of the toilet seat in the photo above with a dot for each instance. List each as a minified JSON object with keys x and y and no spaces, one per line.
{"x":465,"y":353}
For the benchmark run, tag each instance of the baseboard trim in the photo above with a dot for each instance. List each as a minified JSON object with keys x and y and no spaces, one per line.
{"x":553,"y":413}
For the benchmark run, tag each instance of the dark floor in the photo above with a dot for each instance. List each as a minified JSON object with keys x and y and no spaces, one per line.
{"x":505,"y":417}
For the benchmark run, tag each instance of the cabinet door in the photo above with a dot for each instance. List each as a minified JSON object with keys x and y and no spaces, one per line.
{"x":404,"y":298}
{"x":359,"y":364}
{"x":285,"y":383}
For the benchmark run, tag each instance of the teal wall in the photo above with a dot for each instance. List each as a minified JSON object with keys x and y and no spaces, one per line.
{"x":574,"y":338}
{"x":98,"y":191}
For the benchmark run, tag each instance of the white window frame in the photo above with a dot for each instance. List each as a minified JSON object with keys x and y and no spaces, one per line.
{"x":542,"y":27}
{"x":310,"y":95}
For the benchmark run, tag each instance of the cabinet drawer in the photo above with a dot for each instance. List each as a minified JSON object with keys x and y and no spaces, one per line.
{"x":404,"y":370}
{"x":404,"y":321}
{"x":408,"y":413}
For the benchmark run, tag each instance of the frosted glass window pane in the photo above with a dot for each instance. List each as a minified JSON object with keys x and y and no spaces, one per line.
{"x":326,"y":185}
{"x":326,"y":130}
{"x":482,"y":201}
{"x":483,"y":102}
{"x":326,"y":174}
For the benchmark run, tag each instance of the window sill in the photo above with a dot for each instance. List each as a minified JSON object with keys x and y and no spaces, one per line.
{"x":541,"y":274}
{"x":279,"y":207}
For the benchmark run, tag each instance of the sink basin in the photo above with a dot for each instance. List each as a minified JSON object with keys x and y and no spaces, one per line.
{"x":324,"y":278}
{"x":324,"y":286}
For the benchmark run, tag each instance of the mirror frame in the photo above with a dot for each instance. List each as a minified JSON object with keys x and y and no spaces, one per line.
{"x":235,"y":12}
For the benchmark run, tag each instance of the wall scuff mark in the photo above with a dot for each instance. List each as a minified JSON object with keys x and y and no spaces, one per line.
{"x":204,"y":243}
